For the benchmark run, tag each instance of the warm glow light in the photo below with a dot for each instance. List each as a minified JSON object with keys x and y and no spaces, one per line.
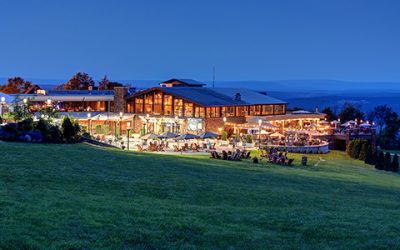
{"x":147,"y":116}
{"x":259,"y":122}
{"x":121,"y":114}
{"x":224,"y":119}
{"x":3,"y":99}
{"x":89,"y":115}
{"x":25,"y":100}
{"x":176,"y":117}
{"x":49,"y":101}
{"x":220,"y":129}
{"x":128,"y":124}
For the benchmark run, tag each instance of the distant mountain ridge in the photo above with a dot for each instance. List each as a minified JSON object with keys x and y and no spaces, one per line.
{"x":273,"y":85}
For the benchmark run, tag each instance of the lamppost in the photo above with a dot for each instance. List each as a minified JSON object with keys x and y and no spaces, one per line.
{"x":259,"y":133}
{"x":89,"y":123}
{"x":2,"y":103}
{"x":48,"y":102}
{"x":176,"y":124}
{"x":128,"y":131}
{"x":147,"y":123}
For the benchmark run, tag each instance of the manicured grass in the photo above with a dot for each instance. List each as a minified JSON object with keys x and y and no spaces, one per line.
{"x":84,"y":197}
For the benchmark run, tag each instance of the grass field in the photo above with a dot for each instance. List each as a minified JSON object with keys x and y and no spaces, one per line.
{"x":84,"y":197}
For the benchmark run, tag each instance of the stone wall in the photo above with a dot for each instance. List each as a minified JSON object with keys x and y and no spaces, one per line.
{"x":119,"y":99}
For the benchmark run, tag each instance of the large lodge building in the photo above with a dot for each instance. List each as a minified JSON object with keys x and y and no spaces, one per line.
{"x":176,"y":105}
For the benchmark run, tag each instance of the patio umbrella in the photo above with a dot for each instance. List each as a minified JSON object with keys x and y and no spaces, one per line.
{"x":365,"y":125}
{"x":149,"y":136}
{"x":323,"y":122}
{"x":167,"y":135}
{"x":186,"y":137}
{"x":263,"y":132}
{"x":276,"y":134}
{"x":349,"y":123}
{"x":254,"y":119}
{"x":207,"y":135}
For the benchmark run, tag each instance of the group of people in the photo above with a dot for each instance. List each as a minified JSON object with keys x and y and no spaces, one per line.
{"x":278,"y":157}
{"x":237,"y":155}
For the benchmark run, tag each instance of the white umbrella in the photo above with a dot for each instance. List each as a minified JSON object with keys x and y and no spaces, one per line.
{"x":149,"y":136}
{"x":276,"y":134}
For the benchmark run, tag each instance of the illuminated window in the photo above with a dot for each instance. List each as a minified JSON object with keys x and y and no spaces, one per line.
{"x":148,"y":103}
{"x":167,"y":105}
{"x":139,"y":105}
{"x":158,"y":103}
{"x":188,"y":109}
{"x":267,"y":109}
{"x":178,"y":107}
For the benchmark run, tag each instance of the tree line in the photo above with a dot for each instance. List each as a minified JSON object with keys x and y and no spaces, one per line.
{"x":79,"y":81}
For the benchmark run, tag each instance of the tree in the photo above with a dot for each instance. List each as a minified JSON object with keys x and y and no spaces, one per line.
{"x":369,"y":155}
{"x":395,"y":163}
{"x":363,"y":152}
{"x":351,"y":112}
{"x":381,"y":114}
{"x":104,"y":82}
{"x":388,"y":137}
{"x":80,"y":81}
{"x":380,"y":161}
{"x":388,"y":161}
{"x":330,"y":115}
{"x":70,"y":129}
{"x":350,"y":148}
{"x":15,"y":85}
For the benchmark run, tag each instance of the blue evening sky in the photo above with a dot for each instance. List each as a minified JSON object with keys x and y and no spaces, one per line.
{"x":355,"y":40}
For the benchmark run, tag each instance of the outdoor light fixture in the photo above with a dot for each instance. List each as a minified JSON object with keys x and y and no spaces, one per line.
{"x":89,"y":115}
{"x":259,"y":122}
{"x":121,"y":114}
{"x":25,"y":100}
{"x":176,"y":117}
{"x":48,"y":101}
{"x":3,"y":99}
{"x":224,"y":119}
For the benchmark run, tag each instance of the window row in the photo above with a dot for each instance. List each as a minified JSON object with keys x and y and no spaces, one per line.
{"x":159,"y":104}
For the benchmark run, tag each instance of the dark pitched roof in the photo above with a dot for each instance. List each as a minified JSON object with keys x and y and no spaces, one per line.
{"x":188,"y":82}
{"x":218,"y":97}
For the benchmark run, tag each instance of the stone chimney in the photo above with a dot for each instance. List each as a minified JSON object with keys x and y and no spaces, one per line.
{"x":119,"y":99}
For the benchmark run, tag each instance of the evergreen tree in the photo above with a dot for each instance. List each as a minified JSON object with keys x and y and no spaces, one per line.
{"x":388,"y":161}
{"x":356,"y":149}
{"x":374,"y":158}
{"x":380,"y":161}
{"x":395,"y":163}
{"x":368,"y":156}
{"x":363,"y":152}
{"x":350,"y":147}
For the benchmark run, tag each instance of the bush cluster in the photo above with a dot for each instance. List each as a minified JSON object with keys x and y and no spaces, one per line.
{"x":362,"y":150}
{"x":42,"y":131}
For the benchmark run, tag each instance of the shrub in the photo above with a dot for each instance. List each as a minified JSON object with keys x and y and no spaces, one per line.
{"x":363,"y":152}
{"x":70,"y":129}
{"x":224,"y":136}
{"x":54,"y":134}
{"x":350,"y":148}
{"x":249,"y":139}
{"x":368,"y":156}
{"x":98,"y":129}
{"x":374,"y":158}
{"x":395,"y":163}
{"x":380,"y":161}
{"x":356,"y":150}
{"x":42,"y":126}
{"x":26,"y":125}
{"x":388,"y":161}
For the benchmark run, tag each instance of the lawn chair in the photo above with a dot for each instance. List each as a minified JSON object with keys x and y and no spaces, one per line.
{"x":319,"y":161}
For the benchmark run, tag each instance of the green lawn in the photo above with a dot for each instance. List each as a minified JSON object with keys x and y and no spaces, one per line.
{"x":85,"y":197}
